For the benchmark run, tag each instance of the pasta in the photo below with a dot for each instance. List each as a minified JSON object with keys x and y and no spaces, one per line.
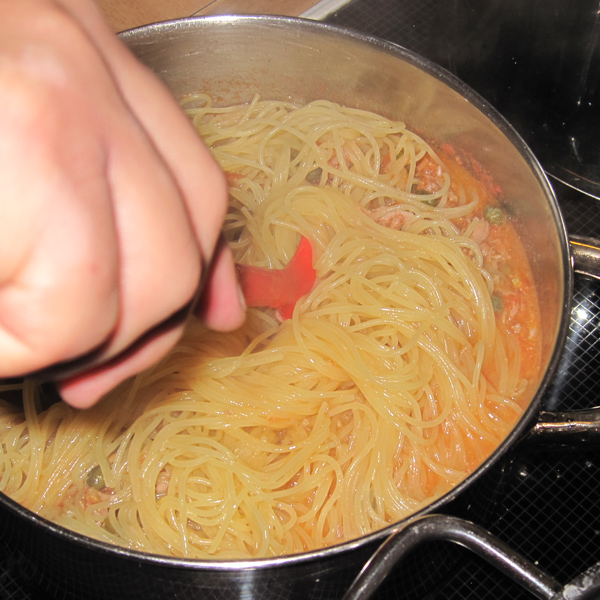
{"x":396,"y":376}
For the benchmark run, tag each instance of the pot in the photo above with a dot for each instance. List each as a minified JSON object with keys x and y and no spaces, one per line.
{"x":232,"y":58}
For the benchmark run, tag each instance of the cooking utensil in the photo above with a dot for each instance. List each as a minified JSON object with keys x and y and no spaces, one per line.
{"x":279,"y":288}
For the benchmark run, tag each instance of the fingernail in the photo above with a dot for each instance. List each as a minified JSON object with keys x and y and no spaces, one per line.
{"x":241,"y":297}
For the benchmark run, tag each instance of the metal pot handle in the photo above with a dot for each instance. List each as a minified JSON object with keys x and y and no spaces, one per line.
{"x":580,"y":425}
{"x":586,"y":255}
{"x":474,"y":537}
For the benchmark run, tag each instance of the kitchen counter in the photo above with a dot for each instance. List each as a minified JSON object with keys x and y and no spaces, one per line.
{"x":123,"y":15}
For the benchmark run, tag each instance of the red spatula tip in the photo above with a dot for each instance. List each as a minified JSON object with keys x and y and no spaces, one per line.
{"x":279,"y":288}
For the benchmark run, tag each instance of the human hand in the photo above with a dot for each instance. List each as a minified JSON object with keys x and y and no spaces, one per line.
{"x":111,"y":206}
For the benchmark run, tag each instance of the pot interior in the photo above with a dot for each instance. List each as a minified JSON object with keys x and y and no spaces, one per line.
{"x":280,"y":58}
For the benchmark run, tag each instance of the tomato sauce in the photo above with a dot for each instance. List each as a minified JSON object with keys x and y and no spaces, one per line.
{"x":515,"y":296}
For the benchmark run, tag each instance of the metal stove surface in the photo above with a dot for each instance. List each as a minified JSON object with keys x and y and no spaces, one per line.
{"x":550,"y":510}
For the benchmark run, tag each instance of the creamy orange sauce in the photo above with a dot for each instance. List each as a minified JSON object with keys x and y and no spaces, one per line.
{"x":517,"y":309}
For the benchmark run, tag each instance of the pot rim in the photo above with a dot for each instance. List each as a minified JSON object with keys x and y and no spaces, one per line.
{"x":529,"y":413}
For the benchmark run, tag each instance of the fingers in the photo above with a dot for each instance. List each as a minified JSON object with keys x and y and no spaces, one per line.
{"x":85,"y":389}
{"x":113,"y":209}
{"x":219,"y":305}
{"x":160,"y":262}
{"x":200,"y":180}
{"x":59,"y":292}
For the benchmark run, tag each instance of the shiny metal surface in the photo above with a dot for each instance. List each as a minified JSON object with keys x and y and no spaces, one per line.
{"x":362,"y":72}
{"x":578,"y":426}
{"x":571,"y":427}
{"x":430,"y":528}
{"x":537,"y":62}
{"x":467,"y":534}
{"x":586,"y":256}
{"x":232,"y":58}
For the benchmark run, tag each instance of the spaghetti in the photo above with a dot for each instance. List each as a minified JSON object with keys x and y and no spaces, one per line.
{"x":397,"y":375}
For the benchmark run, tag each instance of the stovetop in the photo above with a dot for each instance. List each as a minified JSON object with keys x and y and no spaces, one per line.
{"x":537,"y":62}
{"x":549,"y":512}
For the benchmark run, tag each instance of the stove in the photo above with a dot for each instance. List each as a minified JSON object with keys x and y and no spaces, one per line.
{"x":538,"y":63}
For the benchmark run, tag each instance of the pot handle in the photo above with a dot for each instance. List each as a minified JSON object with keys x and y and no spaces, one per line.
{"x":586,"y":255}
{"x":579,"y":426}
{"x":460,"y":531}
{"x":572,"y":427}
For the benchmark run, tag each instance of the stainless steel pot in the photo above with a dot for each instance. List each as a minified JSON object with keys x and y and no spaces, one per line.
{"x":232,"y":58}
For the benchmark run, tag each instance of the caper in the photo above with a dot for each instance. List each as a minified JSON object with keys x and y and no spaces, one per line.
{"x":494,"y":215}
{"x":314,"y":176}
{"x":497,"y":303}
{"x":95,"y":479}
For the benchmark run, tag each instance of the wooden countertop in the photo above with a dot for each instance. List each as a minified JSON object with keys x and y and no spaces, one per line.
{"x":124,"y":14}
